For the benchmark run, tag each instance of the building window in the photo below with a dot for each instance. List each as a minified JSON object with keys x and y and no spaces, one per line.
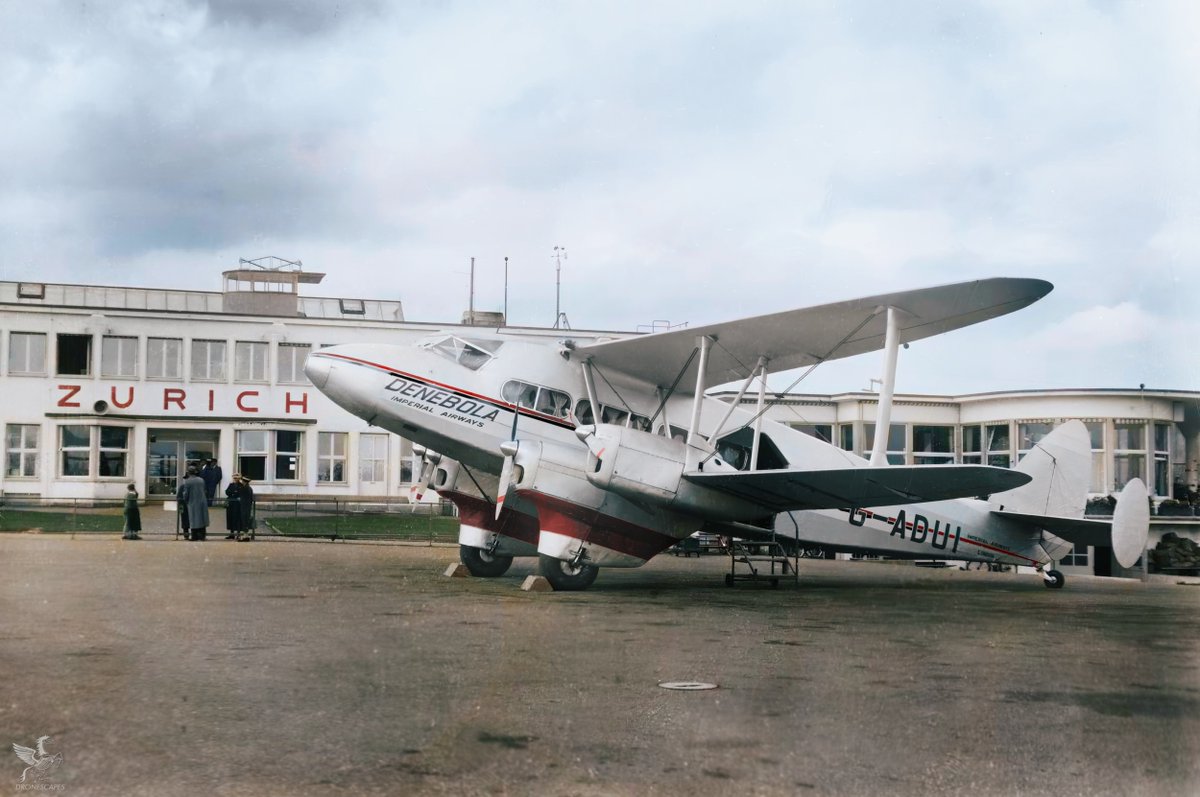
{"x":1029,"y":434}
{"x":372,"y":458}
{"x":1162,"y":456}
{"x":252,"y":451}
{"x":897,"y":432}
{"x":75,"y":447}
{"x":118,"y":356}
{"x":31,"y":290}
{"x":114,"y":451}
{"x":1129,"y":452}
{"x":164,"y":358}
{"x":821,"y":431}
{"x":250,"y":361}
{"x":331,"y":457}
{"x":351,"y":306}
{"x":933,"y":445}
{"x":74,"y":355}
{"x":997,"y":444}
{"x":291,"y":357}
{"x":81,"y":446}
{"x":270,"y":456}
{"x":972,"y":445}
{"x":410,"y":466}
{"x":26,"y":353}
{"x":208,"y":360}
{"x":846,"y":433}
{"x":287,"y":455}
{"x":21,"y":450}
{"x":1078,"y":557}
{"x":1096,"y":432}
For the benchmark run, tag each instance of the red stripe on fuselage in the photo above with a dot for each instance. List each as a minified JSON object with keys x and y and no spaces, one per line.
{"x":527,"y":412}
{"x":892,"y":522}
{"x":590,"y":525}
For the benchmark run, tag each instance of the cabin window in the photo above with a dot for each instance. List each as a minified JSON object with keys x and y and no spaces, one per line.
{"x":614,"y":415}
{"x":736,"y":448}
{"x":472,"y":354}
{"x":74,"y":355}
{"x":541,"y":399}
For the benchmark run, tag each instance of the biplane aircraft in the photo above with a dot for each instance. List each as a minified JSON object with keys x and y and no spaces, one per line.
{"x":592,"y":450}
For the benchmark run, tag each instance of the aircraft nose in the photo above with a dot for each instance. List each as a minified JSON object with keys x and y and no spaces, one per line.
{"x":317,"y":370}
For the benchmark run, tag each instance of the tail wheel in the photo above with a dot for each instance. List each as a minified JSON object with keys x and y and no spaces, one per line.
{"x":1055,"y":579}
{"x":564,"y":576}
{"x":483,"y":564}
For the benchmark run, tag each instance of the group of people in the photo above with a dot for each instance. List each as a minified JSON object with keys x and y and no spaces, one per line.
{"x":195,"y":495}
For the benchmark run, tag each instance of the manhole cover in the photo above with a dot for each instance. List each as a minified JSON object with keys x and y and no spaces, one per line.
{"x":687,"y":686}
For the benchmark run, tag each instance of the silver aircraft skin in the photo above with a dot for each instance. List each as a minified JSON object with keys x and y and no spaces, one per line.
{"x":595,"y":451}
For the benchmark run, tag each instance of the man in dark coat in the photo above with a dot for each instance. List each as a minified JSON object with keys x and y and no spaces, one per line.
{"x":211,"y":473}
{"x":196,"y":501}
{"x":249,"y":521}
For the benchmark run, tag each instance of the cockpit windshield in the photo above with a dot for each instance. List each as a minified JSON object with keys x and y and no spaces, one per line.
{"x":473,"y":354}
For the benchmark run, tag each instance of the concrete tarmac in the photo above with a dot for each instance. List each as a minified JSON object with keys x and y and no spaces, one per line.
{"x":294,"y":668}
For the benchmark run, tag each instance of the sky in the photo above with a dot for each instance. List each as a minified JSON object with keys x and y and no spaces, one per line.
{"x":697,"y":161}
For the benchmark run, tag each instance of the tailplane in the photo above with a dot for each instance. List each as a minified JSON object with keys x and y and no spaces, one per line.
{"x":1060,"y":467}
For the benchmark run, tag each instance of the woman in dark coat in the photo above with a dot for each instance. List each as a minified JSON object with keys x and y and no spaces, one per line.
{"x":248,"y":520}
{"x":133,"y":515}
{"x":233,"y":508}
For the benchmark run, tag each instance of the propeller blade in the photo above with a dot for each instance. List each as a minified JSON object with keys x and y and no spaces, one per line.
{"x":509,"y":449}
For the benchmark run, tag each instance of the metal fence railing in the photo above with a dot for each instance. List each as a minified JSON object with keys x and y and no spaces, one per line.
{"x":277,"y":517}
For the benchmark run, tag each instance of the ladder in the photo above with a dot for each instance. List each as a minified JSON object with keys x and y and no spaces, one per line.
{"x":761,"y":561}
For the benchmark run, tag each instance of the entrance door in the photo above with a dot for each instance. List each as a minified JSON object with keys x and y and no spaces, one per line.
{"x":168,"y":454}
{"x":372,"y":464}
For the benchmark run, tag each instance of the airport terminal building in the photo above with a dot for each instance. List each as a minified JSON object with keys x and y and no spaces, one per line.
{"x":102,"y":386}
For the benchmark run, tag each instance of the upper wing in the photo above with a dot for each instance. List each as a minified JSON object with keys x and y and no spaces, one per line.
{"x":797,"y":338}
{"x":26,"y":754}
{"x":841,"y":488}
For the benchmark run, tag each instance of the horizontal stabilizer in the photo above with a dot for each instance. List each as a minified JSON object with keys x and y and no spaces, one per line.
{"x":1126,"y":533}
{"x":842,"y":488}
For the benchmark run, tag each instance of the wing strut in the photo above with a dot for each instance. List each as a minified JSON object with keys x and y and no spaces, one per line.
{"x":693,"y":437}
{"x":883,"y":419}
{"x":733,"y":405}
{"x":759,"y":412}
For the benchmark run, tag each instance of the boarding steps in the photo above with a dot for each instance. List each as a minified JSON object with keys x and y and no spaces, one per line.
{"x":761,"y":561}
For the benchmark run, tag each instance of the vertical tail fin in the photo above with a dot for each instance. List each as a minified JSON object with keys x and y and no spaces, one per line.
{"x":1061,"y":468}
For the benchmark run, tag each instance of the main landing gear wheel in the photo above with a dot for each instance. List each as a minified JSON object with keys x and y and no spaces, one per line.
{"x":1054,"y":579}
{"x":564,"y":576}
{"x":483,"y":564}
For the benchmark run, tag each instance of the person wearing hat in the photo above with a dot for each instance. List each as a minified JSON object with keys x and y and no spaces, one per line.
{"x":211,"y":473}
{"x":233,"y":508}
{"x":195,"y":498}
{"x":248,"y":511}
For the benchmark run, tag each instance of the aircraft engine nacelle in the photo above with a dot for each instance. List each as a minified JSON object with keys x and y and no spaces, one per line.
{"x":647,"y":467}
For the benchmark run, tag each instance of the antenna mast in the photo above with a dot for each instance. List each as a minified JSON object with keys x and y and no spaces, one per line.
{"x":471,"y":299}
{"x":560,"y":254}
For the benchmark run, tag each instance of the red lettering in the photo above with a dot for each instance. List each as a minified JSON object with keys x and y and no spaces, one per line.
{"x":243,"y":395}
{"x":65,"y":401}
{"x":289,"y":402}
{"x":115,"y":403}
{"x":173,"y":395}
